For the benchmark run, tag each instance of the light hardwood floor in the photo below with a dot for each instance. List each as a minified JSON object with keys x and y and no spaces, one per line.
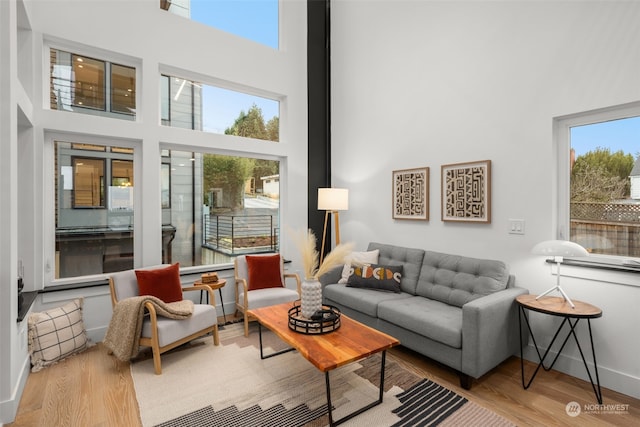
{"x":93,"y":389}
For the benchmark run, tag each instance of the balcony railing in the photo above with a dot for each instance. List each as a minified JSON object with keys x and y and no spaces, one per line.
{"x":240,"y":234}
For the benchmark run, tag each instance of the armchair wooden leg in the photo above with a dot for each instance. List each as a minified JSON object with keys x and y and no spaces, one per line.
{"x":246,"y":324}
{"x":216,"y":337}
{"x":157,"y":366}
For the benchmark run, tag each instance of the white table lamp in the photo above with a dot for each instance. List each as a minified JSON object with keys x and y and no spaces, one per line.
{"x":332,"y":200}
{"x":558,"y":249}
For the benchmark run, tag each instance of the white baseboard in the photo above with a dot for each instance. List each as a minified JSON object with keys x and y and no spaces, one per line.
{"x":9,"y":408}
{"x":609,"y":378}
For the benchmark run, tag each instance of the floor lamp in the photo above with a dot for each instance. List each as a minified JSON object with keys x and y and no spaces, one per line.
{"x":558,"y":249}
{"x":332,"y":200}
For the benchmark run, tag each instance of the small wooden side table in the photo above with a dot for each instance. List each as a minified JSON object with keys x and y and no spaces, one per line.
{"x":216,"y":285}
{"x":558,"y":306}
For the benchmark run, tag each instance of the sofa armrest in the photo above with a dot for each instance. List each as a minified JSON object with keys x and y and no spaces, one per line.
{"x":490,"y":331}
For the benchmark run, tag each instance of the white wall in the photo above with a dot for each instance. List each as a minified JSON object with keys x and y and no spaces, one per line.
{"x":13,"y":103}
{"x":422,"y":83}
{"x":155,"y":41}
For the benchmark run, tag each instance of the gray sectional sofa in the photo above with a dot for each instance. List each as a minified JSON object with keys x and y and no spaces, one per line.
{"x":457,"y":310}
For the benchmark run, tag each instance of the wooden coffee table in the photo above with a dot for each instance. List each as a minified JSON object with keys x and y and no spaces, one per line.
{"x":352,"y":341}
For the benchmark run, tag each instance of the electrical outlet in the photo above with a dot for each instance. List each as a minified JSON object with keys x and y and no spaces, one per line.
{"x":516,"y":226}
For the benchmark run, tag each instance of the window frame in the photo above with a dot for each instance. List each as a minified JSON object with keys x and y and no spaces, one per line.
{"x":111,"y":88}
{"x":562,"y":136}
{"x":74,"y":83}
{"x":102,"y":181}
{"x":251,"y":148}
{"x":50,"y":199}
{"x":109,"y":59}
{"x":179,"y":9}
{"x":195,"y":79}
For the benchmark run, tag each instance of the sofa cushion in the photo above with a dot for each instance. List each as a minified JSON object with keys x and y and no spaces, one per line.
{"x":409,"y":258}
{"x":269,"y":296}
{"x":363,"y":300}
{"x":376,"y":276}
{"x":170,"y":330}
{"x":456,"y":280}
{"x":433,"y":319}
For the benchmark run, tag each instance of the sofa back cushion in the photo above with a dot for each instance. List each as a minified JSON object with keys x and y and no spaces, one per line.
{"x":409,"y":258}
{"x":456,"y":280}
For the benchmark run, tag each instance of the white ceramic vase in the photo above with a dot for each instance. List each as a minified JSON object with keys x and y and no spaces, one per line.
{"x":311,"y":297}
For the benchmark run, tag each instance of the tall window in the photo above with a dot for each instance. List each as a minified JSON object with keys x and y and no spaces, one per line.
{"x":91,"y":86}
{"x":220,"y":206}
{"x":255,"y":20}
{"x":197,"y":106}
{"x":94,"y":209}
{"x":603,"y":170}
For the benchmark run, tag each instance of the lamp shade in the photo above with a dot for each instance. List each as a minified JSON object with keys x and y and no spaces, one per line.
{"x":559,"y":248}
{"x":333,"y":199}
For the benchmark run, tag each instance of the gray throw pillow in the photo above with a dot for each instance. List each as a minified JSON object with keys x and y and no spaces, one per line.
{"x":376,"y":276}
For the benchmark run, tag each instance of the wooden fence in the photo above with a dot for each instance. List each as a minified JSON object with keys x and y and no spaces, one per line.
{"x":607,"y":228}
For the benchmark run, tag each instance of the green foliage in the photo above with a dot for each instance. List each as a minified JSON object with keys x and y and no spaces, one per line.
{"x":273,"y":129}
{"x":231,"y":173}
{"x":228,"y":173}
{"x":249,"y":124}
{"x":601,"y":176}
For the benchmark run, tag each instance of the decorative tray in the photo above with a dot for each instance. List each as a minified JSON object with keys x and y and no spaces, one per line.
{"x":323,"y":321}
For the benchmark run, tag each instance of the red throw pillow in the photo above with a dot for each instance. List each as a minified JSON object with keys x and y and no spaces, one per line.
{"x":264,"y":271}
{"x":163,"y":283}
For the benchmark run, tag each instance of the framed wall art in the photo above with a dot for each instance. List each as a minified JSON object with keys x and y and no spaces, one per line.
{"x":466,"y":192}
{"x":411,"y":194}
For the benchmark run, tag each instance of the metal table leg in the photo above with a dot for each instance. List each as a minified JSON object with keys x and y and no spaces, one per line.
{"x":361,"y":410}
{"x":572,"y":326}
{"x":224,"y":315}
{"x":262,"y":355}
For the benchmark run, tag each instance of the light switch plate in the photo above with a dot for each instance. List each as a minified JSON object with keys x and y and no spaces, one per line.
{"x":516,"y":226}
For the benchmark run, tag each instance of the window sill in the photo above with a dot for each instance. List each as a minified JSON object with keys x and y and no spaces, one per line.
{"x":599,"y":263}
{"x":599,"y":269}
{"x":28,"y":298}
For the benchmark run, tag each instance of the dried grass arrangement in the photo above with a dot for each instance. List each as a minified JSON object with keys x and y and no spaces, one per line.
{"x":306,"y":244}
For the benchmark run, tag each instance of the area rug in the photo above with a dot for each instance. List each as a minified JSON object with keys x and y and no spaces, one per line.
{"x":229,"y":385}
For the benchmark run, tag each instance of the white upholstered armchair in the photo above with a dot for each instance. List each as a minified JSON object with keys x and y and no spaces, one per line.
{"x":162,"y":333}
{"x":260,"y":282}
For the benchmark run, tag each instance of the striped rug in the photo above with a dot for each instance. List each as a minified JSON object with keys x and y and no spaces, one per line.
{"x":230,"y":386}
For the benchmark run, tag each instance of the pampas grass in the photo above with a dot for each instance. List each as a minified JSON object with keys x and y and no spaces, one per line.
{"x":306,"y":244}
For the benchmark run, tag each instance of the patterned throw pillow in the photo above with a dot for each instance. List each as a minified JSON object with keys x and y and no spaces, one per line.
{"x":357,"y":258}
{"x":375,"y":276}
{"x":55,"y":334}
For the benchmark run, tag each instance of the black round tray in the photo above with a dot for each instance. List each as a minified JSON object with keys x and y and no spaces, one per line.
{"x":328,"y":322}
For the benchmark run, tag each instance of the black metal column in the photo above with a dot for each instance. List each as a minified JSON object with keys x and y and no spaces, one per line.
{"x":319,"y":109}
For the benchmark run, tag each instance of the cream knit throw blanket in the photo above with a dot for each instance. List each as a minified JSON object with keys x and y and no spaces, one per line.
{"x":123,"y":333}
